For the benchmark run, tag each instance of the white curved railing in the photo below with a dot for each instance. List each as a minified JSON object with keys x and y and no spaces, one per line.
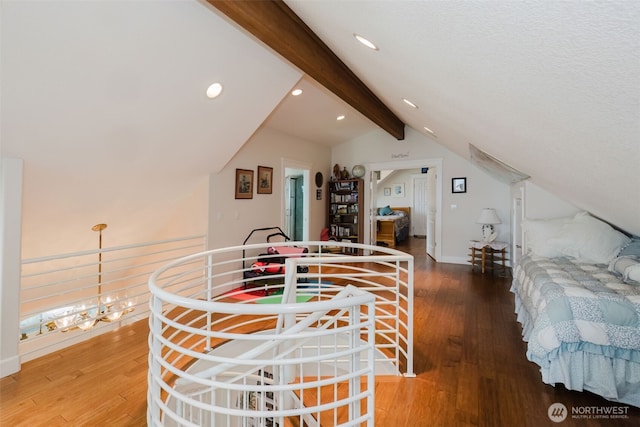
{"x":231,"y":347}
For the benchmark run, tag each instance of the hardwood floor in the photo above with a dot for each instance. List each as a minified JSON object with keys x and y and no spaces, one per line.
{"x":469,"y":359}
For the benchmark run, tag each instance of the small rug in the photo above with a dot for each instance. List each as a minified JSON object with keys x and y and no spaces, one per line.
{"x":257,"y":295}
{"x":242,"y":294}
{"x":277,"y":299}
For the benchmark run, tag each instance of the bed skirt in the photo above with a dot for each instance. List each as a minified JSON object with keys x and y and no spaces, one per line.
{"x":607,"y":371}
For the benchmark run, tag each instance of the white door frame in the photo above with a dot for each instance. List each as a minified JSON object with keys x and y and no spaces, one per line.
{"x":407,"y":164}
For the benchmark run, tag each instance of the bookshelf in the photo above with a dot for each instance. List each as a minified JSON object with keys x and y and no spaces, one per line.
{"x":345,"y":209}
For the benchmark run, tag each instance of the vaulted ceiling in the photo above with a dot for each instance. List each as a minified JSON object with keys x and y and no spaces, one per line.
{"x":104,"y":90}
{"x":549,"y":88}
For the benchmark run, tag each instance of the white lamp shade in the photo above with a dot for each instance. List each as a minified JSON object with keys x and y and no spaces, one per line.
{"x":488,"y":216}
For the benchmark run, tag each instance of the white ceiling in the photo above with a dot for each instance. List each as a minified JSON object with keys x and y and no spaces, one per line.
{"x":550,"y":88}
{"x":105,"y":103}
{"x":89,"y":88}
{"x":313,"y":116}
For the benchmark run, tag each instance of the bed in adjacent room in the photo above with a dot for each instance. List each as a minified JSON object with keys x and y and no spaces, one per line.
{"x":577,"y":296}
{"x":392,"y":225}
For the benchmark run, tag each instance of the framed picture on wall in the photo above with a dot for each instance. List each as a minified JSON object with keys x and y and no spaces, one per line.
{"x":244,"y":184}
{"x":458,"y":185}
{"x":265,"y":180}
{"x":387,"y":191}
{"x":398,"y":190}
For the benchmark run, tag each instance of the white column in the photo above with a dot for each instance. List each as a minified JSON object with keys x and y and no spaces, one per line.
{"x":10,"y":239}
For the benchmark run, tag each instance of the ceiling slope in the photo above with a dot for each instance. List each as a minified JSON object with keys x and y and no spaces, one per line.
{"x":549,"y":88}
{"x":278,"y":27}
{"x":105,"y":103}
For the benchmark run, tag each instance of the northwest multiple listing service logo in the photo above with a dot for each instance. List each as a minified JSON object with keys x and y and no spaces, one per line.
{"x":557,"y":412}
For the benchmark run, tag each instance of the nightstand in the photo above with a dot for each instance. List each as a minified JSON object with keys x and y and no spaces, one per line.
{"x":488,"y":255}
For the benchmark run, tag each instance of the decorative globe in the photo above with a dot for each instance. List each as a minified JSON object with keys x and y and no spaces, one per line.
{"x":358,"y":171}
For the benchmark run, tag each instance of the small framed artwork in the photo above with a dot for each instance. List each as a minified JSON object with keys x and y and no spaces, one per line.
{"x":387,"y":191}
{"x":244,"y":184}
{"x":265,"y":180}
{"x":398,"y":190}
{"x":458,"y":185}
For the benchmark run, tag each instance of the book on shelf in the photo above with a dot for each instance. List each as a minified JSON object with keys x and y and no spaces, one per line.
{"x":344,"y":185}
{"x":344,"y":198}
{"x":344,"y":209}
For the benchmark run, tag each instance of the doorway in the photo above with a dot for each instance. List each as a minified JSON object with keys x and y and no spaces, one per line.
{"x":294,"y":210}
{"x":295,"y":203}
{"x":432,"y":193}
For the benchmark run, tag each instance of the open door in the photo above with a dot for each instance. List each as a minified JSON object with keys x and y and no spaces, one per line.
{"x":373,"y":189}
{"x":432,"y":210}
{"x":295,"y":203}
{"x":294,"y":207}
{"x":420,"y":208}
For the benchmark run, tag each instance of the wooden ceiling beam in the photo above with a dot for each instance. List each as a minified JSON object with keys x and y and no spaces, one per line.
{"x":276,"y":25}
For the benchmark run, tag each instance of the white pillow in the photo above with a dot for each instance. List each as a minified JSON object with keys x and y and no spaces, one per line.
{"x":619,"y":265}
{"x":540,"y":234}
{"x":590,"y":240}
{"x":632,"y":274}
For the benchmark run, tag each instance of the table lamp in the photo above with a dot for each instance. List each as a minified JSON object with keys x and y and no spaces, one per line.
{"x":488,"y":217}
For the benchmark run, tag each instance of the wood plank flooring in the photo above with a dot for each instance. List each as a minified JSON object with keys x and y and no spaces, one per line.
{"x":469,"y":359}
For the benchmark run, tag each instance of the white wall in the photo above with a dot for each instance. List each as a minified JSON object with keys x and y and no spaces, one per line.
{"x":189,"y":213}
{"x":105,"y":103}
{"x":231,"y":220}
{"x":532,"y":202}
{"x":402,"y":177}
{"x":459,"y":211}
{"x":10,"y":227}
{"x":539,"y":204}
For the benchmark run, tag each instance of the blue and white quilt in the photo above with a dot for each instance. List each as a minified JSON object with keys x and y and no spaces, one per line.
{"x":582,"y":325}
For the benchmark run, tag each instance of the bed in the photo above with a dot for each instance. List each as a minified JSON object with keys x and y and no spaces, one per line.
{"x":577,"y":296}
{"x":392,"y":225}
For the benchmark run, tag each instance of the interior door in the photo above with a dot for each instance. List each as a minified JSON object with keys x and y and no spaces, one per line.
{"x":298,"y":211}
{"x":295,"y":199}
{"x":432,"y":211}
{"x":516,"y":232}
{"x":294,"y":205}
{"x":420,"y":209}
{"x":289,"y":206}
{"x":373,"y":190}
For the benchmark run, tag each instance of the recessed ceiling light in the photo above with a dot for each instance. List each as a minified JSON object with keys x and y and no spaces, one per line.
{"x":341,"y":117}
{"x":214,"y":90}
{"x":409,"y":103}
{"x":365,"y":42}
{"x":429,"y":131}
{"x":296,"y":92}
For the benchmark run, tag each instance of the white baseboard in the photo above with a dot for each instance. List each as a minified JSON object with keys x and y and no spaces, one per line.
{"x":9,"y":366}
{"x":454,"y":260}
{"x":464,"y":261}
